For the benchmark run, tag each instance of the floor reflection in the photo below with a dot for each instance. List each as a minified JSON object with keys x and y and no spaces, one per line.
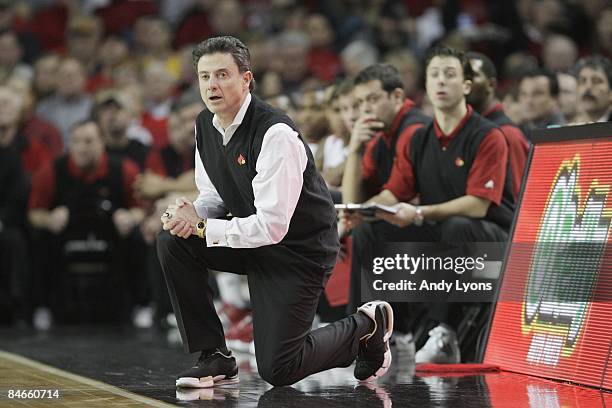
{"x":143,"y":363}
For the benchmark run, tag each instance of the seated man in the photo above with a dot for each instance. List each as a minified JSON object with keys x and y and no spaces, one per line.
{"x":387,"y":120}
{"x":458,"y":167}
{"x":594,"y":89}
{"x":84,"y":196}
{"x":483,"y":100}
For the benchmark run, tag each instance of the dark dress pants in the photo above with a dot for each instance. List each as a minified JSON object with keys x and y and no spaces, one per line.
{"x":284,"y":287}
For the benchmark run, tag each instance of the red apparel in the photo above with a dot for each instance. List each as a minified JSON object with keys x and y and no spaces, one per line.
{"x":34,"y":157}
{"x":490,"y":164}
{"x":157,"y":127}
{"x":518,"y":149}
{"x":324,"y":64}
{"x":119,"y":17}
{"x":43,"y":183}
{"x":48,"y":25}
{"x":36,"y":128}
{"x":155,"y":162}
{"x":368,"y":163}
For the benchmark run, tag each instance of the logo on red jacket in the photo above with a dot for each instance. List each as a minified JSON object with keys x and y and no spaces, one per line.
{"x":241,"y":160}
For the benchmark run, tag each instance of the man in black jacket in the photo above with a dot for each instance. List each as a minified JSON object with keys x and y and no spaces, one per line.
{"x":251,"y":162}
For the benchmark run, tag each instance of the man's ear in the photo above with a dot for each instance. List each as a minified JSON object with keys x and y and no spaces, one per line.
{"x":398,"y":95}
{"x":247,"y":77}
{"x":493,"y":83}
{"x":467,"y":87}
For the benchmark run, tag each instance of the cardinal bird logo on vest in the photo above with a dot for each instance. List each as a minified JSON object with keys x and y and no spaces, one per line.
{"x":241,"y":160}
{"x":459,"y":162}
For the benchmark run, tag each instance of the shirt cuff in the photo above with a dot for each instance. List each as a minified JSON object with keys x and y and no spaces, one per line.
{"x":215,"y":233}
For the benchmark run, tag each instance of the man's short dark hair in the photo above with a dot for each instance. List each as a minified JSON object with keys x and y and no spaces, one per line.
{"x":225,"y":45}
{"x":85,"y":122}
{"x":343,"y":87}
{"x":468,"y":73}
{"x":553,"y":82}
{"x":387,"y":74}
{"x":595,"y":62}
{"x":488,"y":68}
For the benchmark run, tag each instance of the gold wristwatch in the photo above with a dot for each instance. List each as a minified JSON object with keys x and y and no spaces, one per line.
{"x":201,"y":228}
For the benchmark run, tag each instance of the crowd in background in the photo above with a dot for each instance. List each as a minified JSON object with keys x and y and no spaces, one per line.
{"x":98,"y":100}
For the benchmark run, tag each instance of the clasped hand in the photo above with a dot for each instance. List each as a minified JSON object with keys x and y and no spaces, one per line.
{"x":180,"y":218}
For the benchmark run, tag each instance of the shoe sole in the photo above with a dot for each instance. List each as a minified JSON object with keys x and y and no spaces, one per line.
{"x":205,"y":382}
{"x":388,"y":357}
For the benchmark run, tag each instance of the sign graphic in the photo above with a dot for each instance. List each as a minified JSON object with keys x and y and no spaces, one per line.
{"x":571,"y":233}
{"x":552,"y":315}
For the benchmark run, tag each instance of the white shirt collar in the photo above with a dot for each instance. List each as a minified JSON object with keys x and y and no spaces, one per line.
{"x":231,"y":129}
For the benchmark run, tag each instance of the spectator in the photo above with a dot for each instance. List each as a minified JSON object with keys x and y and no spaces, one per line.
{"x":195,"y":24}
{"x":595,"y":88}
{"x":409,"y":68}
{"x":292,"y":48}
{"x":568,"y":95}
{"x":116,"y":120}
{"x":603,"y":27}
{"x":113,"y":51}
{"x":349,"y":108}
{"x":483,"y":100}
{"x":69,"y":104}
{"x":45,"y":75}
{"x":559,"y":52}
{"x":83,"y":36}
{"x":538,"y":94}
{"x":153,"y":40}
{"x":84,"y":195}
{"x":322,"y":60}
{"x":33,"y":154}
{"x":158,"y":90}
{"x":36,"y":128}
{"x":11,"y":55}
{"x":313,"y":125}
{"x":336,"y":144}
{"x":358,"y":55}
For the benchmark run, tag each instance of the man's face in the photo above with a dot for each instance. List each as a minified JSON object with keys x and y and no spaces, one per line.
{"x":334,"y":117}
{"x":534,"y":95}
{"x":445,"y":84}
{"x":594,"y":93}
{"x":374,"y":101}
{"x":71,"y":78}
{"x":86,"y":146}
{"x":568,"y":95}
{"x":10,"y":107}
{"x":481,"y":87}
{"x":349,"y":110}
{"x":222,"y":86}
{"x":10,"y":50}
{"x":114,"y":120}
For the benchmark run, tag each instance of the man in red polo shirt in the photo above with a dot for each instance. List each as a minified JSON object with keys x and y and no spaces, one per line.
{"x":83,"y":197}
{"x":387,"y":120}
{"x":457,"y":166}
{"x":483,"y":100}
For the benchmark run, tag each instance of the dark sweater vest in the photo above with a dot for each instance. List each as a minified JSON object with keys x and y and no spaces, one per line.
{"x":231,"y":169}
{"x":384,"y":154}
{"x":439,"y":179}
{"x":91,"y":205}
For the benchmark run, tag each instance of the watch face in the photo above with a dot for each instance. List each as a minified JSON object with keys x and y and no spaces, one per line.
{"x":200,"y":224}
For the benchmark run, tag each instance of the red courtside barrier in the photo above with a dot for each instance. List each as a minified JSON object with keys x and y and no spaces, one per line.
{"x":553,"y":317}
